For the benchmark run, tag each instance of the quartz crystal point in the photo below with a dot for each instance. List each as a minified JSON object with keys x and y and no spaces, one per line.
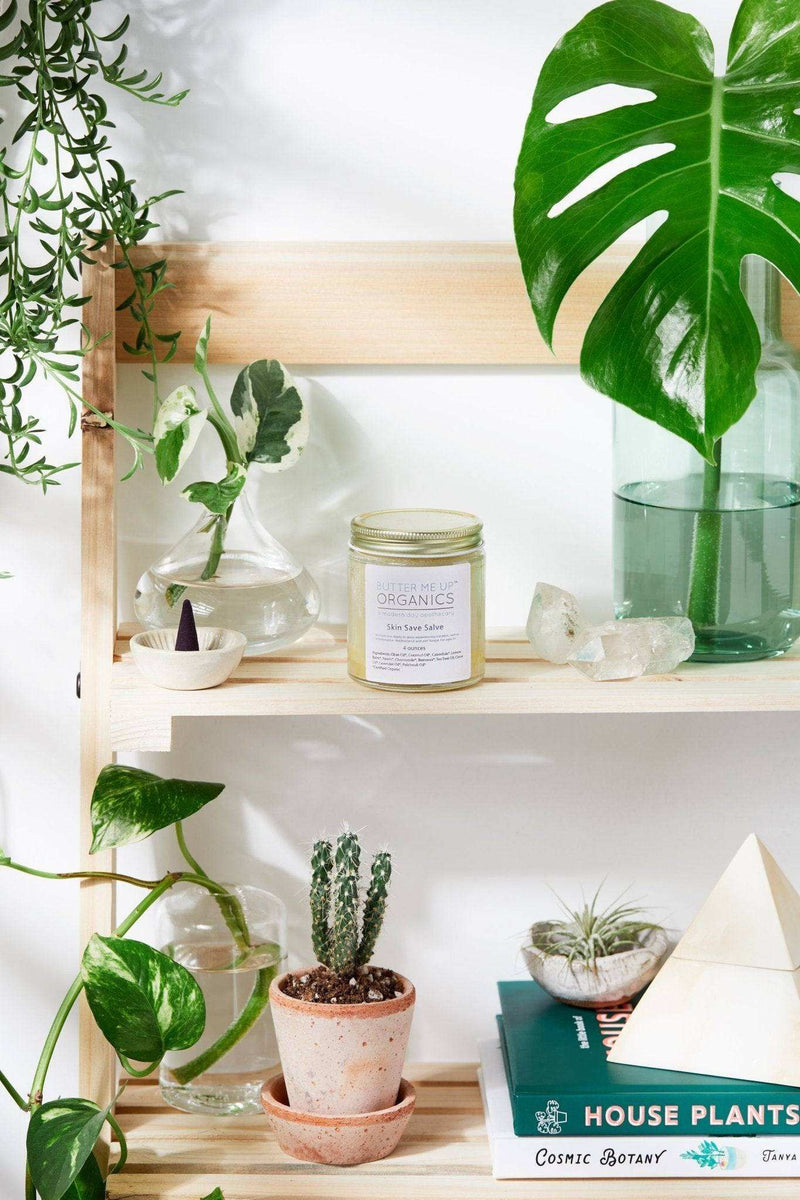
{"x":554,"y":623}
{"x":634,"y":646}
{"x":623,"y":649}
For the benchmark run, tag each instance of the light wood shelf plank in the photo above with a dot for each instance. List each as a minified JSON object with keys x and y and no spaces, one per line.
{"x":311,"y":680}
{"x":356,"y":303}
{"x":376,"y":303}
{"x":443,"y":1156}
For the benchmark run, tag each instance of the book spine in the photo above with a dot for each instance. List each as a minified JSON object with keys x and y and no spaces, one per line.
{"x":694,"y":1115}
{"x":646,"y":1158}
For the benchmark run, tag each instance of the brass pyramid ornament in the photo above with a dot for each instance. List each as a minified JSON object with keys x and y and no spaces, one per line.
{"x":727,"y":1001}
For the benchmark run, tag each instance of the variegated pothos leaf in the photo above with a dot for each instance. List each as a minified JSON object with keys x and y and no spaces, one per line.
{"x":129,"y":804}
{"x":61,"y":1137}
{"x":177,"y":427}
{"x":269,"y":415}
{"x":143,"y":1002}
{"x":218,"y":497}
{"x":88,"y":1184}
{"x":201,"y":348}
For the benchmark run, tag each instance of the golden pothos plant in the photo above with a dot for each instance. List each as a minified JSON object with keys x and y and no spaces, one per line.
{"x":143,"y":1002}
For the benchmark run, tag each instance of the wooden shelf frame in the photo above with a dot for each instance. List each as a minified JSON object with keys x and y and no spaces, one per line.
{"x":310,"y":679}
{"x":444,"y":1155}
{"x":391,"y":304}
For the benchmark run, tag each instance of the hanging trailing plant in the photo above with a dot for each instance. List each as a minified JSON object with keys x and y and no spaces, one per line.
{"x":64,"y":194}
{"x":144,"y":1002}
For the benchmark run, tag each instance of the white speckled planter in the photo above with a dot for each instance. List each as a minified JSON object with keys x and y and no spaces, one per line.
{"x":612,"y":980}
{"x":341,"y":1058}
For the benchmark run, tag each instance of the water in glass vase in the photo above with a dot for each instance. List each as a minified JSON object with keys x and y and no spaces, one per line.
{"x":237,"y":576}
{"x":271,"y":606}
{"x":233,"y":1083}
{"x":753,"y":609}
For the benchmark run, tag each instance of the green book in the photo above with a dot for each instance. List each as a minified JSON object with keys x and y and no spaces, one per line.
{"x":561,"y":1082}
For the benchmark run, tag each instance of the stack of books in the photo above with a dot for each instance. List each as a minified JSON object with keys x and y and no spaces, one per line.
{"x":556,"y":1108}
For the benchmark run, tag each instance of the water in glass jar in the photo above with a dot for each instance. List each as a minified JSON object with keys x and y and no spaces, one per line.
{"x":757,"y":602}
{"x":233,"y":1083}
{"x":271,"y":605}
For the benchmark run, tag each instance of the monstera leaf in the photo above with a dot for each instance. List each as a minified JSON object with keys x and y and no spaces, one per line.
{"x":674,"y":339}
{"x":129,"y":804}
{"x":269,"y":415}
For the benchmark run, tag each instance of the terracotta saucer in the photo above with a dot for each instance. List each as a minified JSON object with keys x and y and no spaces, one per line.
{"x":336,"y":1141}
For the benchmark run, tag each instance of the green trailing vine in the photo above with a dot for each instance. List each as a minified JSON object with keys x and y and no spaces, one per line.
{"x":64,"y":195}
{"x":144,"y":1002}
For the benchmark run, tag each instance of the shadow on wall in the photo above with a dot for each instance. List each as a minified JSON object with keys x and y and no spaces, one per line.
{"x":173,"y":142}
{"x":481,"y":827}
{"x":308,"y":507}
{"x":233,"y":125}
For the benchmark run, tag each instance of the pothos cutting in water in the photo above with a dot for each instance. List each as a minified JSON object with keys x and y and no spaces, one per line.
{"x":268,"y":425}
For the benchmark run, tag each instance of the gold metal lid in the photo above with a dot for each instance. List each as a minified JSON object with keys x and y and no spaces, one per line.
{"x":416,"y":531}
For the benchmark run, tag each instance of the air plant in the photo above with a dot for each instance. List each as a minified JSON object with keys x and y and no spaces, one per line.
{"x":588,"y":933}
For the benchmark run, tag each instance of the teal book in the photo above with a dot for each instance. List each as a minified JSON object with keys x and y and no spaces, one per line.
{"x":560,"y":1081}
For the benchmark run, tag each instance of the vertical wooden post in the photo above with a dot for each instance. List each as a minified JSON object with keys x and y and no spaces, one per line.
{"x":97,"y":1063}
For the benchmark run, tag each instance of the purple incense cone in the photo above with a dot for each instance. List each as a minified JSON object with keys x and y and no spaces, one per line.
{"x":187,"y":630}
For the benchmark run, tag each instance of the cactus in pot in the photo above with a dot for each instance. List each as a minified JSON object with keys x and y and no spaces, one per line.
{"x":342,"y":1026}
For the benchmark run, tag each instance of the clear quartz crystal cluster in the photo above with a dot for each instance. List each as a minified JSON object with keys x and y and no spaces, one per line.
{"x":623,"y":649}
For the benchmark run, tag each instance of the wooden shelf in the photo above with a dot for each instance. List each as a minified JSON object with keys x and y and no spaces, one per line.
{"x":444,"y":1155}
{"x":311,"y":680}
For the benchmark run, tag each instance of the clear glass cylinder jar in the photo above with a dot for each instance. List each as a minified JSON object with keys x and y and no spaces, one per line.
{"x":416,"y":613}
{"x":233,"y":947}
{"x":237,"y":576}
{"x":718,"y":543}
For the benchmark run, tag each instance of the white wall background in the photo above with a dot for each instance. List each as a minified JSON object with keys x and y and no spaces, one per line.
{"x":346,"y":119}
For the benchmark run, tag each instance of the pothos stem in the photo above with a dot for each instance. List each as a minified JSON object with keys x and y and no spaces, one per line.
{"x":13,"y":1093}
{"x":233,"y":915}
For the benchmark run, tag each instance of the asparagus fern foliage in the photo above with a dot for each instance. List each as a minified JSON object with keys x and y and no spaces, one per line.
{"x":344,"y":933}
{"x":63,"y":194}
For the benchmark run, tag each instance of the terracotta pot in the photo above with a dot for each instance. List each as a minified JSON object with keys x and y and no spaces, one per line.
{"x":611,"y":980}
{"x":341,"y":1058}
{"x":336,"y":1141}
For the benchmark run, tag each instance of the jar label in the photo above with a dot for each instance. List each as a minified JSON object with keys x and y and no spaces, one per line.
{"x":418,"y":623}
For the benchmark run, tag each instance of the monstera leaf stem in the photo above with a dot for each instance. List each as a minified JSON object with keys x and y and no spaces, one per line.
{"x":703,"y":605}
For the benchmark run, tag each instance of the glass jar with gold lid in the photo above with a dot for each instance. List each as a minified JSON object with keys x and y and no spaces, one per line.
{"x":416,"y":612}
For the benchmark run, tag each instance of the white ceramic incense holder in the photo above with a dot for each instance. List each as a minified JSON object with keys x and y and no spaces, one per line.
{"x":219,"y":654}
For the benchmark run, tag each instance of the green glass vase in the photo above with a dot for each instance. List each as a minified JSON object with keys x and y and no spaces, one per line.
{"x":719,"y":544}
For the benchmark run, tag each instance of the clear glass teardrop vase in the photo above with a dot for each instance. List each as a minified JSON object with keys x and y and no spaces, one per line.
{"x":237,"y":576}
